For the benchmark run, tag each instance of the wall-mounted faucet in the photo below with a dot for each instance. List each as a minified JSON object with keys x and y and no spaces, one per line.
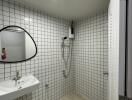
{"x":17,"y":77}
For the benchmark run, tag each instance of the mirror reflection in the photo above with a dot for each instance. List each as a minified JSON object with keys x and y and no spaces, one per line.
{"x":16,"y":45}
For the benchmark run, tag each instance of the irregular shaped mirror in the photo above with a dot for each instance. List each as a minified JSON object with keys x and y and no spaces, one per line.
{"x":16,"y":45}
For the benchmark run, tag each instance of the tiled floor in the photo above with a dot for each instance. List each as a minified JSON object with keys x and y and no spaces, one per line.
{"x":72,"y":97}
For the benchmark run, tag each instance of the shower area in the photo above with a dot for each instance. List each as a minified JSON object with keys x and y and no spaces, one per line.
{"x":89,"y":63}
{"x":89,"y":57}
{"x":72,"y":62}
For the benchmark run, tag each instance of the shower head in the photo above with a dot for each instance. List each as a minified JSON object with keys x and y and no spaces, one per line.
{"x":65,"y":38}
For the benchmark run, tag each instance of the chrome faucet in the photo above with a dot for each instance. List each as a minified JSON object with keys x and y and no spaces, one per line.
{"x":17,"y":77}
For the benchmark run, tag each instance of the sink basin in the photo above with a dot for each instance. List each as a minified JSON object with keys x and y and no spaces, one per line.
{"x":10,"y":90}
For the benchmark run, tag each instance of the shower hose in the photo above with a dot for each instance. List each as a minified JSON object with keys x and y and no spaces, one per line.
{"x":67,"y":60}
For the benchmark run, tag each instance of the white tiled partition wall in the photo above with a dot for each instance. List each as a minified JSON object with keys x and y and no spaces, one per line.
{"x":113,"y":51}
{"x":47,"y":66}
{"x":90,"y":57}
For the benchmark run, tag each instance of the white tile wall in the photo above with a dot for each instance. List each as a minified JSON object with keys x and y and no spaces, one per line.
{"x":47,"y":66}
{"x":90,"y":54}
{"x":90,"y":57}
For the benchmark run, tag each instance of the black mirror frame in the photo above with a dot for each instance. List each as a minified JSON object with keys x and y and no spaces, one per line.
{"x":30,"y":37}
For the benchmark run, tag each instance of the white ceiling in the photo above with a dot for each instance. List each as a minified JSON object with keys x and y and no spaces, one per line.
{"x":69,"y":9}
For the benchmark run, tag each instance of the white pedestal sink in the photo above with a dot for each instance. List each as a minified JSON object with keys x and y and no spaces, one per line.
{"x":9,"y":90}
